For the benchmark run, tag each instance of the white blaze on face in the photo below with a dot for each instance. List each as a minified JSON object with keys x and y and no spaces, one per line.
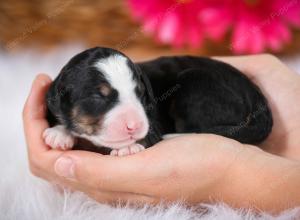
{"x":119,"y":75}
{"x":126,"y":122}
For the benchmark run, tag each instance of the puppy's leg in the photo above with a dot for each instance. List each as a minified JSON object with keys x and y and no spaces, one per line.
{"x":59,"y":137}
{"x":132,"y":149}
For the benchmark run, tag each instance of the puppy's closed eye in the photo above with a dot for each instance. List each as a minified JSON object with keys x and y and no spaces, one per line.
{"x":105,"y":89}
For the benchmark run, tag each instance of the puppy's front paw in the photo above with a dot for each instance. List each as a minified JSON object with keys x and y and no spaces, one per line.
{"x":58,"y":137}
{"x":132,"y":149}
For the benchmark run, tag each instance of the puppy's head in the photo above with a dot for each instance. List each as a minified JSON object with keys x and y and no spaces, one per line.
{"x":100,"y":95}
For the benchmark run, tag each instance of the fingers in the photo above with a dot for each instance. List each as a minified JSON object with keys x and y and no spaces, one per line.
{"x":117,"y":198}
{"x":34,"y":114}
{"x":136,"y":173}
{"x":111,"y":197}
{"x":35,"y":123}
{"x":252,"y":65}
{"x":102,"y":172}
{"x":35,"y":105}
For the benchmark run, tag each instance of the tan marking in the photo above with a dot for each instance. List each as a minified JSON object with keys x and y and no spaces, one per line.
{"x":105,"y":89}
{"x":85,"y":123}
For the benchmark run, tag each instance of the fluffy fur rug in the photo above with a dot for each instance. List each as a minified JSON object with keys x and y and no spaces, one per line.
{"x":23,"y":196}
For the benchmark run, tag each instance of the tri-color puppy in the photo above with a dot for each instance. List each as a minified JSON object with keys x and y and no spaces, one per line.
{"x":102,"y":96}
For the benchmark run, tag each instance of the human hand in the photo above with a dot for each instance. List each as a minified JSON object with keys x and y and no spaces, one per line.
{"x":281,"y":86}
{"x":189,"y":167}
{"x":196,"y":168}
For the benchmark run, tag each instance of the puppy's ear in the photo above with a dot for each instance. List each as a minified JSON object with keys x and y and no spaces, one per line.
{"x":53,"y":103}
{"x":57,"y":100}
{"x":149,"y":103}
{"x":146,"y":82}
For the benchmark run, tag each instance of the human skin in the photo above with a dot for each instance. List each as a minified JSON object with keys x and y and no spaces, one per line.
{"x":281,"y":86}
{"x":194,"y":168}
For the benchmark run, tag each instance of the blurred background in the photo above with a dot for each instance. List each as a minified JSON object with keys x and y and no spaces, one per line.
{"x":150,"y":28}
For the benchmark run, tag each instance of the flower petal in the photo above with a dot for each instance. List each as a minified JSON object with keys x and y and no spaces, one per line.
{"x":168,"y":28}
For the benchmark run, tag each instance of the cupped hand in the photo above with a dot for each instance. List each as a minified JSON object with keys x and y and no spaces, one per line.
{"x":281,"y":86}
{"x":189,"y":167}
{"x":194,"y":168}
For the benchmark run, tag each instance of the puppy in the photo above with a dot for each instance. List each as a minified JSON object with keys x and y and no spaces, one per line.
{"x":105,"y":98}
{"x":101,"y":96}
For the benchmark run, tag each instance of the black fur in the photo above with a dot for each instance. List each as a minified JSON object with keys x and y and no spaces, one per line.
{"x":203,"y":95}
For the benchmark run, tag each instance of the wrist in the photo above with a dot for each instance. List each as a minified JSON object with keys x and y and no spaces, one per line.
{"x":261,"y":180}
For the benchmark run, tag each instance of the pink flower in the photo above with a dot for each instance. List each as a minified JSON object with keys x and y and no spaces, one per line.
{"x":254,"y":25}
{"x":258,"y":25}
{"x":170,"y":21}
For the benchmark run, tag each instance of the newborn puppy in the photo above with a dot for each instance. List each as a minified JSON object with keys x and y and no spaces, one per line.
{"x":105,"y":98}
{"x":101,"y":96}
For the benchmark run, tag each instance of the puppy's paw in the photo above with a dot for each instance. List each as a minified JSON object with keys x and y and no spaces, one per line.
{"x":132,"y":149}
{"x":58,"y":137}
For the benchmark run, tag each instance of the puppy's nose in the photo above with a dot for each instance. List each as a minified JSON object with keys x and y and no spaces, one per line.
{"x":132,"y":126}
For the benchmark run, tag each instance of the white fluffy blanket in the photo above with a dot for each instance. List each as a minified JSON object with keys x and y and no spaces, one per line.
{"x":23,"y":196}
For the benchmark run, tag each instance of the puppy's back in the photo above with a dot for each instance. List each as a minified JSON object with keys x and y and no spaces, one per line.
{"x":211,"y":97}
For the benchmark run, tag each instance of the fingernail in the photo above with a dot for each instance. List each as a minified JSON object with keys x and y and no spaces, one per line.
{"x":44,"y":82}
{"x":43,"y":79}
{"x":64,"y":166}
